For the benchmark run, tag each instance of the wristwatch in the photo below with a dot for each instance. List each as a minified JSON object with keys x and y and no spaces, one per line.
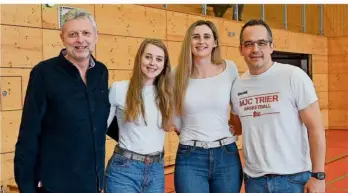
{"x":319,"y":175}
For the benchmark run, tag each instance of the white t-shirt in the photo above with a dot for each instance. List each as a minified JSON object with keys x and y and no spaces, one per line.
{"x":206,"y":107}
{"x":275,"y":140}
{"x":137,"y":136}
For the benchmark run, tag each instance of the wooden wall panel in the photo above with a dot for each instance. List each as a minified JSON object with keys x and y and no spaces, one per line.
{"x":11,"y":93}
{"x":174,"y":49}
{"x":117,"y":75}
{"x":338,"y":118}
{"x":18,"y":72}
{"x":252,"y":11}
{"x":50,"y":14}
{"x":338,"y":46}
{"x":338,"y":82}
{"x":336,"y":27}
{"x":312,"y":19}
{"x":273,"y":14}
{"x":7,"y":168}
{"x":323,"y":98}
{"x":178,"y":24}
{"x":194,"y":9}
{"x":320,"y":64}
{"x":313,"y":44}
{"x":20,"y":46}
{"x":320,"y":82}
{"x":234,"y":55}
{"x":23,"y":15}
{"x":171,"y":146}
{"x":109,"y":149}
{"x":295,"y":13}
{"x":131,"y":20}
{"x":335,"y":20}
{"x":117,"y":52}
{"x":338,"y":100}
{"x":310,"y":44}
{"x":10,"y":121}
{"x":52,"y":44}
{"x":325,"y":117}
{"x":338,"y":64}
{"x":223,"y":50}
{"x":229,"y":27}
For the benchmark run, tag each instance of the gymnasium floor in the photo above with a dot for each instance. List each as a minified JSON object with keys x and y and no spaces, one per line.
{"x":336,"y":167}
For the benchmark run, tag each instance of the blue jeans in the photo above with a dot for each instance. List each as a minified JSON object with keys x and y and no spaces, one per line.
{"x":293,"y":183}
{"x":215,"y":170}
{"x":129,"y":176}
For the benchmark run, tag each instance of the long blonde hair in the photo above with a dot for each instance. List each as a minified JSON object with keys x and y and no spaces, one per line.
{"x":162,"y":83}
{"x":184,"y":69}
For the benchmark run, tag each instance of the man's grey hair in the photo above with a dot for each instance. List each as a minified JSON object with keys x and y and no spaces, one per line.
{"x":77,"y":13}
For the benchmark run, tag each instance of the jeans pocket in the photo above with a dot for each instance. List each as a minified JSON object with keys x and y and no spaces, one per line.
{"x":185,"y":149}
{"x":118,"y":160}
{"x":299,"y":178}
{"x":230,"y":149}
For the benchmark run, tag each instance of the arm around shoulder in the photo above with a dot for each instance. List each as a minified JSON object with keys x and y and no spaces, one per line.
{"x":113,"y":128}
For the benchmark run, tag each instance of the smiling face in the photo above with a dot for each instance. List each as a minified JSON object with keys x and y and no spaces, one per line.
{"x":152,"y":63}
{"x":202,"y":42}
{"x":79,"y":37}
{"x":256,"y":49}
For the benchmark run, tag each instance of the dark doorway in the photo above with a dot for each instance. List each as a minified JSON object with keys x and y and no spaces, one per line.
{"x":302,"y":61}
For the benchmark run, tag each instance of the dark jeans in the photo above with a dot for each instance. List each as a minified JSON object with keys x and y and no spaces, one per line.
{"x":214,"y":170}
{"x":129,"y":176}
{"x":293,"y":183}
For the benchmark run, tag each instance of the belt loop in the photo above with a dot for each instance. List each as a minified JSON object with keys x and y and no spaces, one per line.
{"x":220,"y":142}
{"x":194,"y":143}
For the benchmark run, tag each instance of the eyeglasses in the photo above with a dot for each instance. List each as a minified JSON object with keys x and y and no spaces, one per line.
{"x":260,"y":43}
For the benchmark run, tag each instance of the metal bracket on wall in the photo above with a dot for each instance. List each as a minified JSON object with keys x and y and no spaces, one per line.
{"x":263,"y":12}
{"x":321,"y":31}
{"x":235,"y":11}
{"x":204,"y":9}
{"x":303,"y":18}
{"x":285,"y":14}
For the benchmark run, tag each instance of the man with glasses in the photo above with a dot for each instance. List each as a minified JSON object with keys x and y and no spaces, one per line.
{"x":277,"y":108}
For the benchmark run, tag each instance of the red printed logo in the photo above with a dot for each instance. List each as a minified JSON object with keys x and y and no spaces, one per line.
{"x":256,"y":114}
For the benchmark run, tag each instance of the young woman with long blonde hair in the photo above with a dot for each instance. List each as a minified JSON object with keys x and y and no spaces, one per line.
{"x":143,"y":109}
{"x":207,"y":158}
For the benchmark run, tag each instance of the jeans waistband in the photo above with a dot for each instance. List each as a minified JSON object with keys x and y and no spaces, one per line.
{"x":209,"y":144}
{"x":146,"y":158}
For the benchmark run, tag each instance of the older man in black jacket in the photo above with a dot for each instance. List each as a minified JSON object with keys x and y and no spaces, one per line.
{"x":61,"y":142}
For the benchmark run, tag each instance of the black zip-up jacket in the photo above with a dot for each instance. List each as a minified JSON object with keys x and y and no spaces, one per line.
{"x":61,"y":140}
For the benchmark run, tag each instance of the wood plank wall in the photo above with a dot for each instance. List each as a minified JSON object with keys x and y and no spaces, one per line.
{"x":29,"y":34}
{"x":336,"y":28}
{"x":274,"y":14}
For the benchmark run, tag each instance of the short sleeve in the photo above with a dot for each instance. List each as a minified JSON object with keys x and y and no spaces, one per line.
{"x":302,"y":89}
{"x":112,"y":100}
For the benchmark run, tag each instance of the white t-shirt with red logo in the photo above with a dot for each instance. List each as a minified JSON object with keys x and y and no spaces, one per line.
{"x":275,"y":140}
